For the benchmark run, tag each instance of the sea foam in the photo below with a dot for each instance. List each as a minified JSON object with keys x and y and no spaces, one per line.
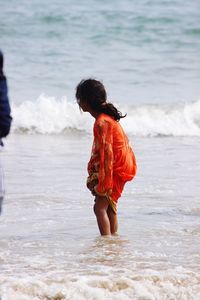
{"x":167,"y":284}
{"x":48,"y":115}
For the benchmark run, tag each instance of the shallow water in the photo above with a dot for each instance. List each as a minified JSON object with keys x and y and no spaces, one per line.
{"x":49,"y":241}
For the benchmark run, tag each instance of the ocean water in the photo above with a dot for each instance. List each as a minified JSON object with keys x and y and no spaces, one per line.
{"x":50,"y":244}
{"x":147,"y":55}
{"x":144,"y":51}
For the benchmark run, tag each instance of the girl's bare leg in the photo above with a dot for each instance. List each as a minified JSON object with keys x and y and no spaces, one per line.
{"x":100,"y":210}
{"x":113,"y":220}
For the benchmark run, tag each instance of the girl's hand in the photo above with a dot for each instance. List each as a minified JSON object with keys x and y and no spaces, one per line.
{"x":91,"y":185}
{"x":93,"y":192}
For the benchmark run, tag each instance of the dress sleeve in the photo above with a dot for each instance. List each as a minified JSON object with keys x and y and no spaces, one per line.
{"x":104,"y":139}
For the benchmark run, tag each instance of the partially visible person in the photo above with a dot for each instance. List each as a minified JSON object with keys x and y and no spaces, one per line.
{"x":5,"y":120}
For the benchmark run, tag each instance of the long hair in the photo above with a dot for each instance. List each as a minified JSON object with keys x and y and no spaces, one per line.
{"x":92,"y":92}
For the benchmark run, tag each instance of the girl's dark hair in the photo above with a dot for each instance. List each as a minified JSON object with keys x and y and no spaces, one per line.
{"x":92,"y":92}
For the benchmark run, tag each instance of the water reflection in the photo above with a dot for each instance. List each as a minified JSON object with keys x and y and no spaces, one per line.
{"x":106,"y":252}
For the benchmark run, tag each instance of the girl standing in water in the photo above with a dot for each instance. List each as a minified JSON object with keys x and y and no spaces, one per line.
{"x":112,"y":161}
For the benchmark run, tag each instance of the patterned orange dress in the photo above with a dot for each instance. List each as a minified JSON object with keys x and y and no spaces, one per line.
{"x":112,"y":161}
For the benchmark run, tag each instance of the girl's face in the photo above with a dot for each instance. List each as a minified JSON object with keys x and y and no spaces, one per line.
{"x":83,"y":105}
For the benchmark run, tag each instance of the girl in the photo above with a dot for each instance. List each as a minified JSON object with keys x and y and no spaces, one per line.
{"x":112,"y":161}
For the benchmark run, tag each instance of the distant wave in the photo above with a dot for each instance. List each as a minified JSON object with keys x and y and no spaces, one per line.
{"x":50,"y":116}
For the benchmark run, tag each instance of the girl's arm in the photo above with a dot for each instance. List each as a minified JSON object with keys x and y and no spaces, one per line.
{"x":104,"y":139}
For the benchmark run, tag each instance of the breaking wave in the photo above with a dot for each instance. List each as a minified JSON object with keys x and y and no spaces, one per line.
{"x":48,"y":115}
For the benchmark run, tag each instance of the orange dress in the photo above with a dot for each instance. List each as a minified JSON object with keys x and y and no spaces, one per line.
{"x":112,"y":161}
